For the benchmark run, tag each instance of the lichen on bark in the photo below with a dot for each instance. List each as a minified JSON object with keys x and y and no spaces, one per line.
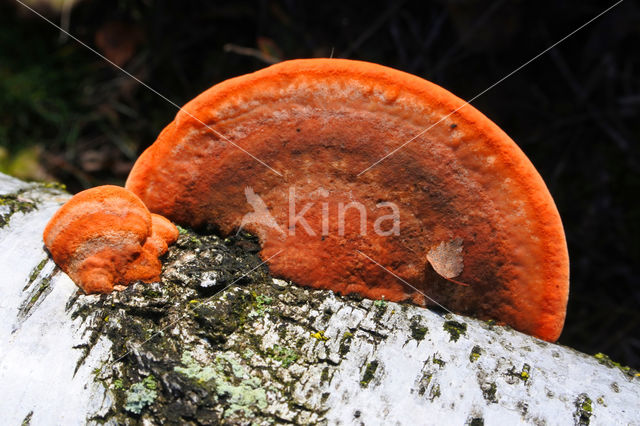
{"x":208,"y":344}
{"x":229,"y":344}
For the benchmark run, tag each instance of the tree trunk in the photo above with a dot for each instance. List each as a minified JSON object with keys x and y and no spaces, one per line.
{"x":220,"y":341}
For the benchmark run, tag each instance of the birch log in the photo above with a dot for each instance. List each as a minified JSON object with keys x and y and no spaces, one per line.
{"x":220,"y":341}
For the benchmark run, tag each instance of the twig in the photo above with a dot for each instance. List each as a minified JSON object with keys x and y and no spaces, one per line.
{"x":249,"y":51}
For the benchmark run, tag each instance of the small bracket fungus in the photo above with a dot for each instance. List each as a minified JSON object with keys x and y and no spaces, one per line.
{"x":461,"y":201}
{"x":105,"y":236}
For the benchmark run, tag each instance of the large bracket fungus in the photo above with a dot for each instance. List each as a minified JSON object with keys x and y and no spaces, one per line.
{"x":459,"y":204}
{"x":105,"y":236}
{"x":320,"y":123}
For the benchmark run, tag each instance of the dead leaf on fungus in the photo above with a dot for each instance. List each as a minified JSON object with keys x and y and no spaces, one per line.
{"x":446,"y":258}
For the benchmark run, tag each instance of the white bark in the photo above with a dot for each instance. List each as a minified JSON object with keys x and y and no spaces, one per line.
{"x":357,"y":362}
{"x":39,"y":342}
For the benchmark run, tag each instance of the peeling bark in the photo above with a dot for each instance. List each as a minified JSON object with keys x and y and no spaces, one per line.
{"x":220,"y":341}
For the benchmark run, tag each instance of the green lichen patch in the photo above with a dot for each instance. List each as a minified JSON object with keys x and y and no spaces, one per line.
{"x":380,"y":308}
{"x":438,"y":361}
{"x":345,"y":343}
{"x":286,"y":356}
{"x":524,"y":375}
{"x":27,"y":419}
{"x":149,"y":382}
{"x":245,"y":399}
{"x":489,"y":392}
{"x":584,"y":410}
{"x":455,"y":329}
{"x":605,"y":360}
{"x":475,"y":421}
{"x":262,"y":300}
{"x":12,"y":204}
{"x":324,"y":376}
{"x":435,"y":392}
{"x":44,"y":285}
{"x":261,"y":305}
{"x":141,"y":395}
{"x":490,"y":324}
{"x":35,"y":272}
{"x":475,"y":353}
{"x":58,"y":186}
{"x":319,"y":335}
{"x":369,"y":373}
{"x":380,"y":304}
{"x":194,"y":370}
{"x":418,"y":330}
{"x":424,"y":382}
{"x":244,"y":394}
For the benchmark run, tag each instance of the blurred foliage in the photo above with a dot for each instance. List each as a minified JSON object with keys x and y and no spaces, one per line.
{"x":574,"y":111}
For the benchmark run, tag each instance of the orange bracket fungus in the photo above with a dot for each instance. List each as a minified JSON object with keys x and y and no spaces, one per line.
{"x":105,"y":236}
{"x":460,"y":213}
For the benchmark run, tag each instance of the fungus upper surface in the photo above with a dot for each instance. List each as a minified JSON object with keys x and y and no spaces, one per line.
{"x":105,"y":236}
{"x":472,"y":209}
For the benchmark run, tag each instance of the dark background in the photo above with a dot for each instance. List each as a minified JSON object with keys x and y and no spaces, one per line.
{"x":67,"y":115}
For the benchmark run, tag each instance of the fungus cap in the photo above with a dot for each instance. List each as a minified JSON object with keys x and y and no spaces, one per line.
{"x":105,"y":236}
{"x":467,"y":200}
